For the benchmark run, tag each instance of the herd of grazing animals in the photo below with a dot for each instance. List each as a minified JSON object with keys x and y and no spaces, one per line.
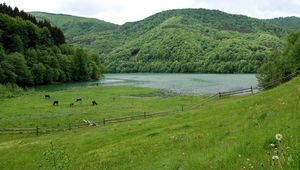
{"x":94,"y":103}
{"x":55,"y":103}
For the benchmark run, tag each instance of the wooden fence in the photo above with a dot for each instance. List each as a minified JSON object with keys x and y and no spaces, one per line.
{"x":20,"y":131}
{"x":38,"y":130}
{"x":235,"y":92}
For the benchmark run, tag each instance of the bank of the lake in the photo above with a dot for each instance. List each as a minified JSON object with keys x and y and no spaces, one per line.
{"x":179,"y":83}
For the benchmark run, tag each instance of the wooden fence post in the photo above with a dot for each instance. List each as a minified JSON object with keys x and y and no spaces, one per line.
{"x":104,"y":121}
{"x":182,"y":108}
{"x":145,"y":116}
{"x":37,"y":131}
{"x":251,"y":90}
{"x":219,"y":95}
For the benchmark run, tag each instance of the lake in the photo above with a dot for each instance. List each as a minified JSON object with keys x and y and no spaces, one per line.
{"x":179,"y":83}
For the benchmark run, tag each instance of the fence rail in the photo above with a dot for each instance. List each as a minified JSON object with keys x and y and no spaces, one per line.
{"x":234,"y":92}
{"x":20,"y":130}
{"x":105,"y":121}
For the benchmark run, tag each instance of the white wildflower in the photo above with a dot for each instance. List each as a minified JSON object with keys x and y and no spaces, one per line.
{"x":278,"y":137}
{"x":272,"y":145}
{"x":275,"y":157}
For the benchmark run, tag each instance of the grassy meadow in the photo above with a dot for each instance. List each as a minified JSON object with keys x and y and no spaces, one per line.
{"x":231,"y":133}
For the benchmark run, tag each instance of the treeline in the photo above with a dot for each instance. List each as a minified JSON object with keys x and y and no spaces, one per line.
{"x":45,"y":65}
{"x":283,"y":65}
{"x":30,"y":55}
{"x":56,"y":34}
{"x":204,"y":66}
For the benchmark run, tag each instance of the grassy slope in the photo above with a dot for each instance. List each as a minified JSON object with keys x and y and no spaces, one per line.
{"x":224,"y":134}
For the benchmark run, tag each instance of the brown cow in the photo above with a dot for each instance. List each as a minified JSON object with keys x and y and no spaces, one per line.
{"x":55,"y":103}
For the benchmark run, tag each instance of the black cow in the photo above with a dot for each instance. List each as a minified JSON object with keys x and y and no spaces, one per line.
{"x":55,"y":103}
{"x":94,"y":103}
{"x":79,"y":99}
{"x":47,"y":96}
{"x":71,"y":104}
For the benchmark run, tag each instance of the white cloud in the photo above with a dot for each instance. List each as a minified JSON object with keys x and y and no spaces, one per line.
{"x":120,"y":11}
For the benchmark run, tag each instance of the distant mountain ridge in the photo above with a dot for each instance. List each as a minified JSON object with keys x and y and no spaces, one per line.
{"x":182,"y":40}
{"x":75,"y":25}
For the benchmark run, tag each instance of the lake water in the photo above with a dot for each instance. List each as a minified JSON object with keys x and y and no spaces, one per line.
{"x":179,"y":83}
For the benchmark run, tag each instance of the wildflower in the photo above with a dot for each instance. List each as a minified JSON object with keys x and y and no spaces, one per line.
{"x":278,"y":137}
{"x":275,"y":157}
{"x":272,"y":145}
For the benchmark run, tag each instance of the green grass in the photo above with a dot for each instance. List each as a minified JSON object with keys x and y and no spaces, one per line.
{"x":232,"y":133}
{"x":34,"y":110}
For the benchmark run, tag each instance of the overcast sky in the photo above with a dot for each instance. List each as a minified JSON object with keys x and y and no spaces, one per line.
{"x":121,"y":11}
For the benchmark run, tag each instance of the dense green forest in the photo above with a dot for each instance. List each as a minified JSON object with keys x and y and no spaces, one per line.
{"x":288,"y":23}
{"x":34,"y":52}
{"x":283,"y":64}
{"x":185,"y":40}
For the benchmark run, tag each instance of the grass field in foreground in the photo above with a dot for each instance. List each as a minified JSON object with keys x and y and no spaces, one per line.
{"x":231,"y":133}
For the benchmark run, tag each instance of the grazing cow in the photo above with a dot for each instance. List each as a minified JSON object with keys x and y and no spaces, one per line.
{"x":71,"y":104}
{"x":94,"y":103}
{"x":55,"y":103}
{"x":79,"y":99}
{"x":89,"y":123}
{"x":47,"y":96}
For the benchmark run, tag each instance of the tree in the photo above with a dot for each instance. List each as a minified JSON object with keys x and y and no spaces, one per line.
{"x":19,"y":67}
{"x":39,"y":72}
{"x":283,"y":65}
{"x":80,"y":65}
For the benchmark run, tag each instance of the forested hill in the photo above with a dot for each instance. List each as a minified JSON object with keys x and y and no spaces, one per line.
{"x":212,"y":18}
{"x":73,"y":26}
{"x":34,"y":52}
{"x":288,"y":23}
{"x":186,"y":40}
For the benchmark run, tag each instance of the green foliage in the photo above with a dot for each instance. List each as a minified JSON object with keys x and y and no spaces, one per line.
{"x":289,"y":23}
{"x":57,"y":35}
{"x":185,"y":40}
{"x":31,"y":54}
{"x":74,"y":26}
{"x":176,"y":47}
{"x":283,"y":64}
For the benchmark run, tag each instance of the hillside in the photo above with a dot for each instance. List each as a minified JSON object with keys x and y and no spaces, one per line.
{"x":187,"y":40}
{"x":288,"y":23}
{"x":231,"y":133}
{"x":74,"y":26}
